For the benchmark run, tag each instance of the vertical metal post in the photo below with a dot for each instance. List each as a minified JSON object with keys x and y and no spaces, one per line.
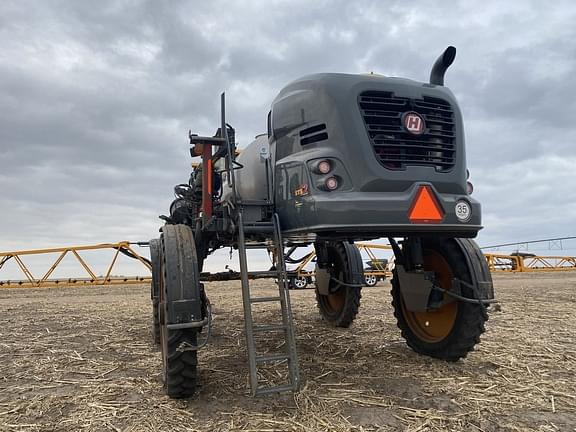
{"x":248,"y":324}
{"x":231,"y":149}
{"x":286,"y":307}
{"x":206,"y":182}
{"x":269,"y":186}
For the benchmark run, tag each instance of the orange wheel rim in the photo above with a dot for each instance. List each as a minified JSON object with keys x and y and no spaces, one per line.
{"x":435,"y":325}
{"x":336,"y":300}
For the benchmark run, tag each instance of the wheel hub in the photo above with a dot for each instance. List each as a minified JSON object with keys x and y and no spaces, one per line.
{"x":433,"y":326}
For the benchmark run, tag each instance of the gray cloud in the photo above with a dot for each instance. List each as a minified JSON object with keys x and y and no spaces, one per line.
{"x":96,"y":100}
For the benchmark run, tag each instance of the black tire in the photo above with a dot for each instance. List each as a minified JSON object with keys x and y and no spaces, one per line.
{"x":156,"y":260}
{"x":180,"y":362}
{"x":340,"y":307}
{"x":180,"y":278}
{"x":451,"y":332}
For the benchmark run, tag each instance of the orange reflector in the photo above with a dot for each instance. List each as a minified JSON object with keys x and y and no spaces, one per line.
{"x":425,"y":208}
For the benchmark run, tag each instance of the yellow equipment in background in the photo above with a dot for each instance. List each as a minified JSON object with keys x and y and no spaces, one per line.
{"x":522,"y":263}
{"x":45,"y":281}
{"x":515,"y":263}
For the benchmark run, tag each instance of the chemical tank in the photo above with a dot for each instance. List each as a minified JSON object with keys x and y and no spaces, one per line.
{"x":251,"y":181}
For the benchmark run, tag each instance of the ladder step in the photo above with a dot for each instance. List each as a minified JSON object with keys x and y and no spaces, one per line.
{"x":275,"y":389}
{"x":271,"y":358}
{"x":286,"y":358}
{"x":264,"y":299}
{"x":265,"y":328}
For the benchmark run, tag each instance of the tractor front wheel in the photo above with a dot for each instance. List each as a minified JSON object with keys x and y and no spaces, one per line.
{"x":340,"y":306}
{"x":451,"y":331}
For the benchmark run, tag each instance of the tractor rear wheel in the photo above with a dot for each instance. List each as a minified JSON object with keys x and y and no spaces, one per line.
{"x":180,"y":362}
{"x":156,"y":261}
{"x":180,"y":275}
{"x":340,"y":306}
{"x":452,"y":331}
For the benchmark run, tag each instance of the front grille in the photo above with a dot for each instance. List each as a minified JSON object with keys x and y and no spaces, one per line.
{"x":397,"y":148}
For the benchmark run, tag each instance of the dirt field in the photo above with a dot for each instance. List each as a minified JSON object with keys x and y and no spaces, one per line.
{"x":82,"y":359}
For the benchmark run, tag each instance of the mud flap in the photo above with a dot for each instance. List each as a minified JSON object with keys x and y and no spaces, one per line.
{"x":415,"y":287}
{"x":322,"y":280}
{"x":479,"y":271}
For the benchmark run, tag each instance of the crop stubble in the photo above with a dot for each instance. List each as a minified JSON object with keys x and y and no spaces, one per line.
{"x":83,"y":359}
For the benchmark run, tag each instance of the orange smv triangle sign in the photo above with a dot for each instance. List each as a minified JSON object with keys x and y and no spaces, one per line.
{"x":425,"y":208}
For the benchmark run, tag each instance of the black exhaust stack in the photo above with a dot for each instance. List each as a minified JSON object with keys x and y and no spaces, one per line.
{"x":441,"y":65}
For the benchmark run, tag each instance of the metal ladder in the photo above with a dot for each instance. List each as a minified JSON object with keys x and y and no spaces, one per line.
{"x":286,"y":329}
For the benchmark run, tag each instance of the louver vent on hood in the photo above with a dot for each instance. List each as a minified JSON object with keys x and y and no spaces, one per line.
{"x":313,"y":134}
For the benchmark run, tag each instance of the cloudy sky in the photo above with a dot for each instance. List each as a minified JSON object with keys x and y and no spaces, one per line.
{"x":96,"y":99}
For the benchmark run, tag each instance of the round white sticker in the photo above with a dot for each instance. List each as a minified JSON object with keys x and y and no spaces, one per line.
{"x":463,"y":211}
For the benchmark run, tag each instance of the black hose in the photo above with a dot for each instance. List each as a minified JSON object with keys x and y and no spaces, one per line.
{"x":347,"y":284}
{"x":465,"y":299}
{"x":209,"y":331}
{"x":132,"y":255}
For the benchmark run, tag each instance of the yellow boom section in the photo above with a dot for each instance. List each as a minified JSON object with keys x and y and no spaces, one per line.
{"x":496,"y":263}
{"x":30,"y":281}
{"x":533,"y":263}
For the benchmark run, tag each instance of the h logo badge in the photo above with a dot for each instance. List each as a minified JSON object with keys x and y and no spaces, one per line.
{"x":414,"y":123}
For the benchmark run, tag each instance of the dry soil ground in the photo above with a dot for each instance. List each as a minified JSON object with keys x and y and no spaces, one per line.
{"x":83,"y":359}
